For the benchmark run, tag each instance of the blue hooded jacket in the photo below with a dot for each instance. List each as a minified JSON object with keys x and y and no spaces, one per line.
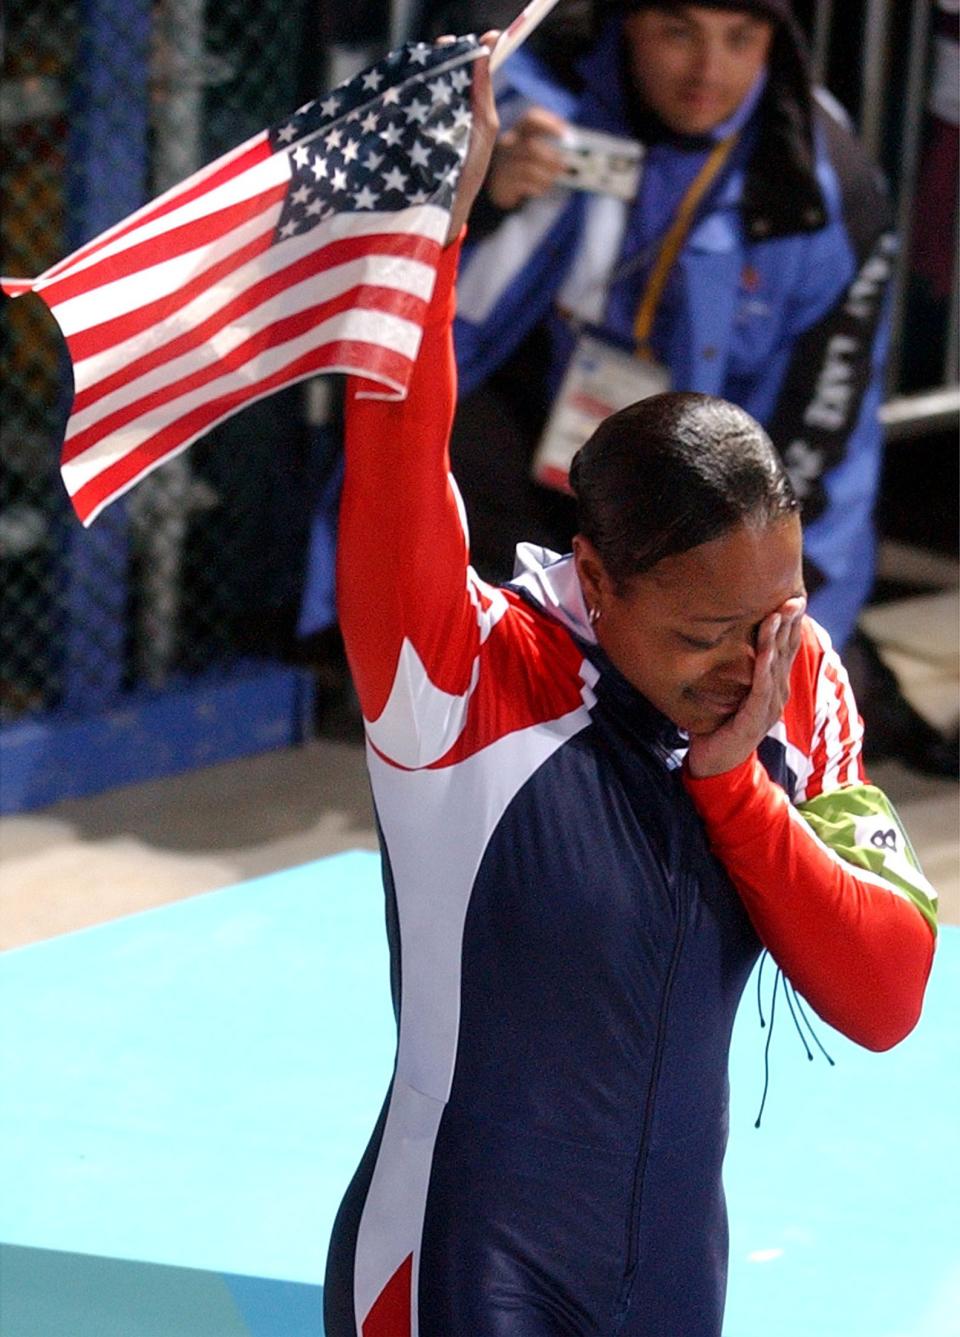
{"x":777,"y":301}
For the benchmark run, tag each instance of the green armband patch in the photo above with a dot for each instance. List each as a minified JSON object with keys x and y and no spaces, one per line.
{"x":861,"y":826}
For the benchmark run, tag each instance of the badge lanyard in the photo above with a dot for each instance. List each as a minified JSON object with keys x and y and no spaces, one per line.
{"x":673,"y":243}
{"x":600,"y":377}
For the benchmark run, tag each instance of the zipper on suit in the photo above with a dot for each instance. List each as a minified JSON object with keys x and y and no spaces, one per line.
{"x":633,"y":1239}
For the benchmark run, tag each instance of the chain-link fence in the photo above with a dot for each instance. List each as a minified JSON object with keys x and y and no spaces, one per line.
{"x":104,"y":105}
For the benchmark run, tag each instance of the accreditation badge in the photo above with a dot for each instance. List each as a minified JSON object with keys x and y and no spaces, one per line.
{"x":600,"y":379}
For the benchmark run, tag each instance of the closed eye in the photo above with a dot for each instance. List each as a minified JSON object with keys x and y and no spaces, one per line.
{"x":696,"y":644}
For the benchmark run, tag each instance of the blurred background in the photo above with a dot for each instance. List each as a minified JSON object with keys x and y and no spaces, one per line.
{"x":185,"y":628}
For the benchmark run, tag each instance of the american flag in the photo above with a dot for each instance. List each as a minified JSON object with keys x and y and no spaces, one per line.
{"x":312,"y":247}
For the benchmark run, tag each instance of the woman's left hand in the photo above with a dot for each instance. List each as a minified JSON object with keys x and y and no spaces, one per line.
{"x":778,"y":640}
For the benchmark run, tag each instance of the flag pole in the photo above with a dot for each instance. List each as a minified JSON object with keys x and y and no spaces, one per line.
{"x":519,"y":30}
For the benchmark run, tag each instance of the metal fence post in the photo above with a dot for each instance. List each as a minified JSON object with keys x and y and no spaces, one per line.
{"x":107,"y":152}
{"x":820,"y":41}
{"x":951,"y":361}
{"x":874,"y":74}
{"x":913,"y":104}
{"x":160,"y":506}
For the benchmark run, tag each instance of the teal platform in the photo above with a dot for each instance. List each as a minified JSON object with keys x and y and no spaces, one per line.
{"x":185,"y":1093}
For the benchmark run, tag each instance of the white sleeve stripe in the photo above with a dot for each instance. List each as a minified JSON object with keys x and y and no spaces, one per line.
{"x":834,"y":697}
{"x":832,"y":739}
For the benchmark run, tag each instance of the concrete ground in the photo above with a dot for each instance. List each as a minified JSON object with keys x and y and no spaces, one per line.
{"x":84,"y":861}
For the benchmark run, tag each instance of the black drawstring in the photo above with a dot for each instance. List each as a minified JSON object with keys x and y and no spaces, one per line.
{"x":763,"y":962}
{"x":766,"y":1047}
{"x":794,"y":1011}
{"x":813,"y":1035}
{"x":803,"y":1041}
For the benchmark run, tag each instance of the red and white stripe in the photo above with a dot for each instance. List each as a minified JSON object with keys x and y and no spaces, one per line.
{"x":187,"y":311}
{"x":433,"y":881}
{"x":836,"y":746}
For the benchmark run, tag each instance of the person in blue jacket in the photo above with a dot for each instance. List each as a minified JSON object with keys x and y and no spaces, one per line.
{"x":776,"y":298}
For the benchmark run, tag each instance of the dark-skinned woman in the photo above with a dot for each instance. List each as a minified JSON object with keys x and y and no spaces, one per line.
{"x":602,"y":790}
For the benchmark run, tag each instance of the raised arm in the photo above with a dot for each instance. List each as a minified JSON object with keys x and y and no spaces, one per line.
{"x":411,"y":616}
{"x":831,"y":882}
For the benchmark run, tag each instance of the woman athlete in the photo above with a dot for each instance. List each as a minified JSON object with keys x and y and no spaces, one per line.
{"x":601,"y":790}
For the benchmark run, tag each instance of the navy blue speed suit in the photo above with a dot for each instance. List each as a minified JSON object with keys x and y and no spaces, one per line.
{"x":567,"y":949}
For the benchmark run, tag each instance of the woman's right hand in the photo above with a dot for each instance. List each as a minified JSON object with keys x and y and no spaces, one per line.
{"x":728,"y":746}
{"x":526,"y":159}
{"x":483,"y":134}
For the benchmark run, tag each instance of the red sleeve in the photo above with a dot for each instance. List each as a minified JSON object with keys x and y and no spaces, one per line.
{"x":401,"y":548}
{"x":860,"y":952}
{"x":430,"y":645}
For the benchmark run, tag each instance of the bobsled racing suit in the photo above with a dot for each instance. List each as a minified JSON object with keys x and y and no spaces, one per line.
{"x":567,"y":944}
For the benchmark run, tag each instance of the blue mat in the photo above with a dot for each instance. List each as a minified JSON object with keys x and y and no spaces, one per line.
{"x":187,"y":1091}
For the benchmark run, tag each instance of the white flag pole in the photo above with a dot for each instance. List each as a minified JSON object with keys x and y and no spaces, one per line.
{"x":519,"y":30}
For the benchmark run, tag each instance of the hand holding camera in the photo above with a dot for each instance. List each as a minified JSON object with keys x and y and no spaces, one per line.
{"x":541,"y":150}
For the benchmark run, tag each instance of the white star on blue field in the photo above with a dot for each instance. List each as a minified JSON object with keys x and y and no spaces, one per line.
{"x":391,"y":137}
